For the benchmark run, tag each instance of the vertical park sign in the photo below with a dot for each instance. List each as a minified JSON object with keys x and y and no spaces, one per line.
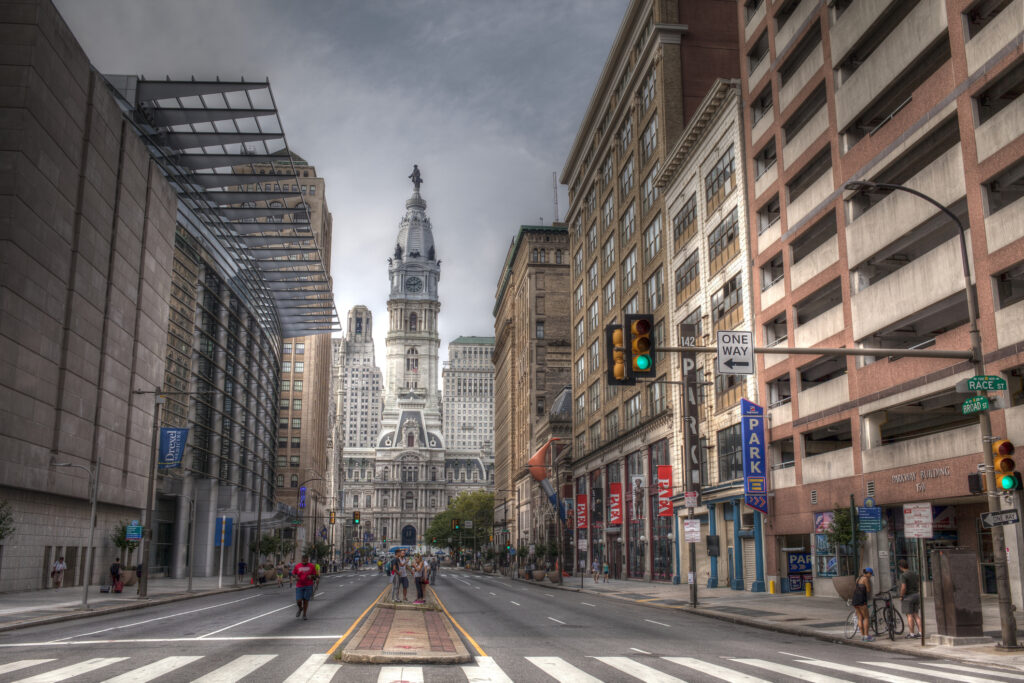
{"x":755,"y":477}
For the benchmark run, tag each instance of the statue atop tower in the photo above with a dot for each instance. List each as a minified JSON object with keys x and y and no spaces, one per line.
{"x":416,"y":178}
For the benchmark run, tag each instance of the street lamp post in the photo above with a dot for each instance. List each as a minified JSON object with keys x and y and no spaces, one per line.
{"x":1006,"y":619}
{"x":94,"y":486}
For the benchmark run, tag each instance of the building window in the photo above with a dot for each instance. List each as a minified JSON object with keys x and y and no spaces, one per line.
{"x":611,"y":424}
{"x":626,"y":179}
{"x":626,"y":135}
{"x":722,"y":236}
{"x":577,"y":263}
{"x":649,"y":140}
{"x":609,"y":295}
{"x":726,"y":299}
{"x":413,"y":322}
{"x":580,"y":373}
{"x":540,"y":329}
{"x":629,"y":270}
{"x":286,"y":385}
{"x":595,"y":356}
{"x":656,"y":396}
{"x":296,"y":423}
{"x":649,"y":191}
{"x":730,"y":454}
{"x":286,"y":348}
{"x":412,"y":361}
{"x":632,"y":306}
{"x":592,"y":316}
{"x":296,"y":404}
{"x":627,"y":224}
{"x":284,"y":404}
{"x":299,"y":365}
{"x":652,"y":239}
{"x":684,"y":223}
{"x":579,"y":334}
{"x":686,"y":275}
{"x":595,"y":396}
{"x":720,"y":181}
{"x":633,"y":412}
{"x":300,"y":347}
{"x":294,"y":481}
{"x":608,"y":212}
{"x":608,"y":253}
{"x":647,"y":89}
{"x":286,"y":366}
{"x":594,"y":434}
{"x":578,"y":298}
{"x":692,"y":319}
{"x":592,"y":277}
{"x":297,"y":385}
{"x":581,"y":406}
{"x":606,"y":170}
{"x":655,"y":289}
{"x":592,"y":240}
{"x":296,"y":442}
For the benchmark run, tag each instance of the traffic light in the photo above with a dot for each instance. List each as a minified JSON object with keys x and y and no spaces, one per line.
{"x":617,"y":359}
{"x":456,"y":524}
{"x":355,"y":516}
{"x":1007,"y":476}
{"x":640,"y":345}
{"x":332,"y":516}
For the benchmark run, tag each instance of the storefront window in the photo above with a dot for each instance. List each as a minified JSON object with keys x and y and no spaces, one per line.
{"x":597,"y":516}
{"x":637,"y":543}
{"x":830,"y":560}
{"x":661,"y":527}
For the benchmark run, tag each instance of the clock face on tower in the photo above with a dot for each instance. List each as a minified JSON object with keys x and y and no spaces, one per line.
{"x":414,"y":284}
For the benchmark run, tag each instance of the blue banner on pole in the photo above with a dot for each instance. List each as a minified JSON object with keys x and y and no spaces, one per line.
{"x":228,"y":532}
{"x":755,"y":477}
{"x":172,"y":447}
{"x":302,"y":496}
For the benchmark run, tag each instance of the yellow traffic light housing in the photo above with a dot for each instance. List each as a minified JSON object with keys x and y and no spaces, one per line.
{"x":332,"y":516}
{"x":1007,"y":476}
{"x":355,"y":517}
{"x":617,"y":357}
{"x":640,"y":342}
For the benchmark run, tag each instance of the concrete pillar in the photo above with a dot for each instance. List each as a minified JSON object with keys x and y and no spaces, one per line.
{"x":736,"y":582}
{"x":206,"y":514}
{"x":713,"y":530}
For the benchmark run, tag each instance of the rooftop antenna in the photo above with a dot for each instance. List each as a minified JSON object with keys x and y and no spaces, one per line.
{"x":554,"y":188}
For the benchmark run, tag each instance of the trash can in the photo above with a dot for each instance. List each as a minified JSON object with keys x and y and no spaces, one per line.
{"x":957,"y":598}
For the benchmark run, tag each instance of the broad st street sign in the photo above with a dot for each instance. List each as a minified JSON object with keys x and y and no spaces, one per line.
{"x":974,"y":404}
{"x":755,"y":477}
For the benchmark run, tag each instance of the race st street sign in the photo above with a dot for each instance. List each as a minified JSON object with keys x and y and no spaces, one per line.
{"x":735,"y":353}
{"x":981,"y":383}
{"x":1001,"y":518}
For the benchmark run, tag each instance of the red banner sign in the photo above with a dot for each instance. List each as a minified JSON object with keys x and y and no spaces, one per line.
{"x":581,"y":511}
{"x":615,"y":504}
{"x":664,"y":490}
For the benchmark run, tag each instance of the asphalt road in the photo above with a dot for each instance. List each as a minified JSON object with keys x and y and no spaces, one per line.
{"x":520,"y":632}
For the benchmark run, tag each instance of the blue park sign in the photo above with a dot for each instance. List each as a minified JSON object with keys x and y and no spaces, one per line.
{"x":755,"y":477}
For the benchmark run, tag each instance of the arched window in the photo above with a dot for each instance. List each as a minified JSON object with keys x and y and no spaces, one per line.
{"x":410,"y":501}
{"x":543,"y":255}
{"x":533,"y":255}
{"x":280,"y":480}
{"x":411,"y":441}
{"x":368,"y":503}
{"x":558,"y":255}
{"x":412,"y":322}
{"x":412,"y":361}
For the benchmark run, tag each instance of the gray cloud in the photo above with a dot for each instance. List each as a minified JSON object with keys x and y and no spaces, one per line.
{"x":485,"y":95}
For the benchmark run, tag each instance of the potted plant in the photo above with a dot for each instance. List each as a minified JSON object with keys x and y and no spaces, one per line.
{"x":522,"y":556}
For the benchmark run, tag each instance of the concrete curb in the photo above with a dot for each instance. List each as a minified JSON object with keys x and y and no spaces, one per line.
{"x":928,"y":652}
{"x":113,"y":609}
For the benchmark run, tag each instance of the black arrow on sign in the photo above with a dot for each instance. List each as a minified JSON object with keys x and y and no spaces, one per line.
{"x":732,"y":363}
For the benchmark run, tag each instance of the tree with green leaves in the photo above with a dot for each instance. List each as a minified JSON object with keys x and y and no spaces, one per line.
{"x":6,"y":520}
{"x":477,"y":506}
{"x":317,"y":550}
{"x":840,"y":539}
{"x":119,"y":537}
{"x":269,"y":545}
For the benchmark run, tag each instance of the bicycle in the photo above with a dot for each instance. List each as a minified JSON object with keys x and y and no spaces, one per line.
{"x":852,"y":626}
{"x":885,"y":618}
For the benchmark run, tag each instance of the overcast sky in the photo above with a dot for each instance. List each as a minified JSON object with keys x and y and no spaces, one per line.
{"x":485,"y":95}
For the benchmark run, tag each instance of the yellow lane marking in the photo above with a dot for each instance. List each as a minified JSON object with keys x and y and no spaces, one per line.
{"x":648,"y":600}
{"x":461,"y":630}
{"x":356,"y":622}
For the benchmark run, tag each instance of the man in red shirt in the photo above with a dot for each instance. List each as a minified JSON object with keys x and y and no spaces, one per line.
{"x":305,"y":574}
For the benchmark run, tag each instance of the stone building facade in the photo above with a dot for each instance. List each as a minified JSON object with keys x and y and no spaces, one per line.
{"x":468,"y":394}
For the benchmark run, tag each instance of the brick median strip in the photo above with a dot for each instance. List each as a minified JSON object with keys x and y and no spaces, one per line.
{"x":377,"y":633}
{"x":437,"y":634}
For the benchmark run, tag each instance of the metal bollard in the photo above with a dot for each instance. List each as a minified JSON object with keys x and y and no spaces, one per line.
{"x":771,"y":587}
{"x":808,"y":590}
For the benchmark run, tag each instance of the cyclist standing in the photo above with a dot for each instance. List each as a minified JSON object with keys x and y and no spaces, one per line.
{"x":861,"y":591}
{"x":910,"y":591}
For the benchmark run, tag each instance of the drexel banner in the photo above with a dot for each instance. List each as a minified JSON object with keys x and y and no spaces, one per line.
{"x":172,"y":447}
{"x":755,"y":478}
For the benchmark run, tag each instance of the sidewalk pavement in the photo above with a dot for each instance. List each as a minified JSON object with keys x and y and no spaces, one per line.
{"x":47,"y":606}
{"x":818,"y":617}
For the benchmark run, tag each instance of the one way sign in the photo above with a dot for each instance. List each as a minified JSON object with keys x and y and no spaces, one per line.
{"x":735,"y":353}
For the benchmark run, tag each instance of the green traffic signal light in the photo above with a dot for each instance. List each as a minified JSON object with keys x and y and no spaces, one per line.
{"x":642,"y":362}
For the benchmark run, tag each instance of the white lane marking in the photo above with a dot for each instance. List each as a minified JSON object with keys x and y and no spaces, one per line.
{"x":857,"y":670}
{"x":725,"y":673}
{"x":515,"y":603}
{"x":67,"y":672}
{"x":22,"y":664}
{"x":641,"y":671}
{"x":148,"y":621}
{"x":154,"y":670}
{"x":236,"y":669}
{"x":588,"y":604}
{"x":556,"y":621}
{"x":917,"y":670}
{"x":658,"y":623}
{"x":476,"y":587}
{"x":244,"y":621}
{"x":485,"y":671}
{"x":643,"y":652}
{"x":191,"y":639}
{"x":550,"y":595}
{"x":561,"y":670}
{"x":400,"y":674}
{"x":492,"y":593}
{"x":316,"y":669}
{"x":791,"y":671}
{"x":958,"y":667}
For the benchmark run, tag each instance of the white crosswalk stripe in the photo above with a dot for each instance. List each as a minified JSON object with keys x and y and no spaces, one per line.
{"x":72,"y":670}
{"x":858,"y":670}
{"x":485,"y":671}
{"x":235,"y":670}
{"x":798,"y":674}
{"x":723,"y":672}
{"x":316,"y":669}
{"x":974,"y":669}
{"x":21,"y":664}
{"x":641,"y":671}
{"x":918,"y":670}
{"x":561,"y":670}
{"x":151,"y":671}
{"x":400,"y":674}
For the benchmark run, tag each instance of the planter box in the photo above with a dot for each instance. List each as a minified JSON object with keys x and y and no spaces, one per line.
{"x":555,"y":577}
{"x":539,"y":574}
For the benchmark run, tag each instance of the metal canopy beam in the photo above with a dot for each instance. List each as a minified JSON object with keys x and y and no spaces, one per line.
{"x":190,"y":140}
{"x":235,"y":179}
{"x":168,"y":89}
{"x":229,"y":197}
{"x":161,"y":118}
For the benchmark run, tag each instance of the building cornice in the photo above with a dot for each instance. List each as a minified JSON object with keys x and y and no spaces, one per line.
{"x":722,"y":93}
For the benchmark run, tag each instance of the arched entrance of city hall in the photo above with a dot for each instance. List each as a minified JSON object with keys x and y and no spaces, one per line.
{"x":409,"y":535}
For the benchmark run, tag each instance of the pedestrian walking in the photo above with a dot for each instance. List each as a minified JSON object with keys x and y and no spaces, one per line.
{"x":595,"y":568}
{"x":418,"y":575}
{"x":910,"y":591}
{"x":305,"y":578}
{"x":861,"y":592}
{"x":402,"y":567}
{"x":604,"y":570}
{"x":115,"y":576}
{"x":434,"y":562}
{"x":380,"y":566}
{"x":279,"y":570}
{"x":316,"y":584}
{"x":57,"y":572}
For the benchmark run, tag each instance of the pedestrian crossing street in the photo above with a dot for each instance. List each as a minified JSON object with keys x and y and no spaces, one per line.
{"x":320,"y":668}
